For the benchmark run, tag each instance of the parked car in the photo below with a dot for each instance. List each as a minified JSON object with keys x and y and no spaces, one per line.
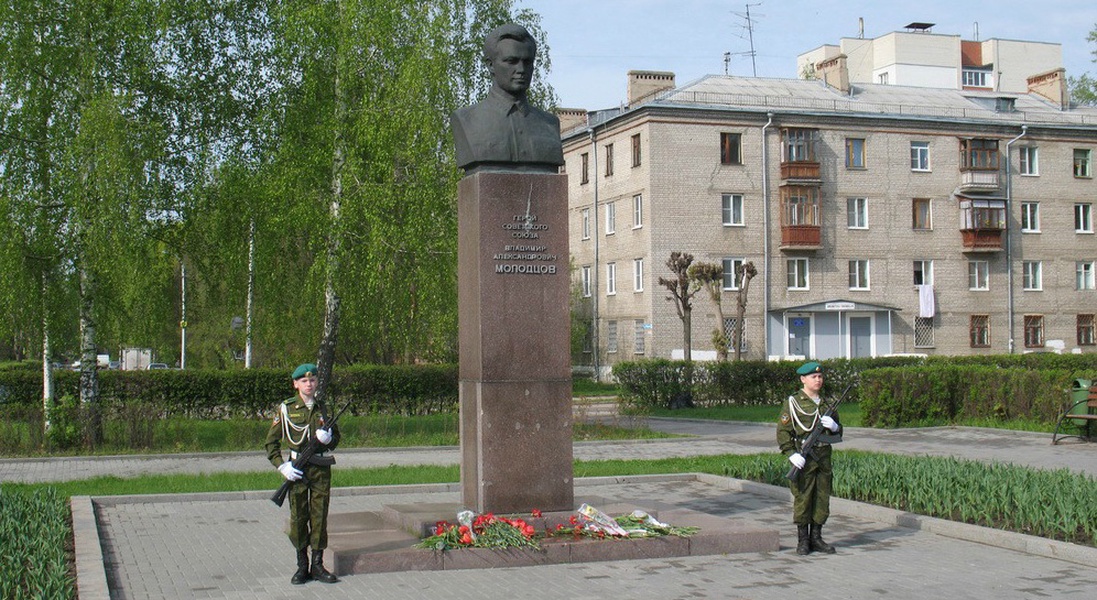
{"x":157,"y":366}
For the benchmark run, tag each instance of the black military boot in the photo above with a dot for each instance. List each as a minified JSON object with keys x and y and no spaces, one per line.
{"x":816,"y":541}
{"x":302,"y":574}
{"x":803,"y":546}
{"x":319,"y":573}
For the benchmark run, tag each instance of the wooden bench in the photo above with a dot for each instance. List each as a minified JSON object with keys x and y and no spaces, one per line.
{"x":1079,"y":415}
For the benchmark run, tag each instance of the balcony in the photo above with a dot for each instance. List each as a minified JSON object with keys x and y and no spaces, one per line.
{"x":800,"y":171}
{"x":982,"y":221}
{"x":977,"y":180}
{"x":801,"y":237}
{"x":981,"y":240}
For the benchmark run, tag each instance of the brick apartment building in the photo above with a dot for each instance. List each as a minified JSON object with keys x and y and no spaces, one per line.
{"x":882,"y":219}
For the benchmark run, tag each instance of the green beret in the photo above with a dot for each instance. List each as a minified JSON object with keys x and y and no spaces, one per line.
{"x":809,"y":367}
{"x":303,"y":370}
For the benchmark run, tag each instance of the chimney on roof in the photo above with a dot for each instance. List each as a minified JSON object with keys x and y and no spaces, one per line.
{"x":570,"y":118}
{"x":834,"y":73}
{"x":1051,"y":85}
{"x":642,"y":85}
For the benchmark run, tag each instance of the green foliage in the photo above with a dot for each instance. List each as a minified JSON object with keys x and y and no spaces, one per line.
{"x":35,"y":528}
{"x":945,"y":393}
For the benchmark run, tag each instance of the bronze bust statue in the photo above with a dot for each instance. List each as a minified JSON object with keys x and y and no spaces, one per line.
{"x":503,"y":132}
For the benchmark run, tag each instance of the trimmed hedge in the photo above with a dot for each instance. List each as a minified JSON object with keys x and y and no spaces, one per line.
{"x":943,"y":392}
{"x":893,"y":391}
{"x":211,"y":394}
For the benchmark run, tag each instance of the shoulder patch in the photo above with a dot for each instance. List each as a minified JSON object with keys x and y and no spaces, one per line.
{"x":785,"y":418}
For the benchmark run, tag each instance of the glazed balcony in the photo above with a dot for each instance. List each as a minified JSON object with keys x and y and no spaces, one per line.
{"x":982,"y":222}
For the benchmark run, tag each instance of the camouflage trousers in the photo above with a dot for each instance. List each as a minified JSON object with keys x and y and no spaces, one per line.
{"x":308,"y":509}
{"x":811,"y":490}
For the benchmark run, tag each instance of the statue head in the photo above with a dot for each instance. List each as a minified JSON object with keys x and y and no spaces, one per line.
{"x":510,"y":52}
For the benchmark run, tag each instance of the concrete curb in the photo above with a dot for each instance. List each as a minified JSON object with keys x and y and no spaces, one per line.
{"x":91,"y":574}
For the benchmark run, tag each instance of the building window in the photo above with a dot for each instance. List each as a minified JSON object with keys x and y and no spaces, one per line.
{"x":731,"y":209}
{"x":586,"y":281}
{"x":639,"y":343}
{"x":980,"y":331}
{"x":1030,"y":217}
{"x":638,"y":275}
{"x":584,"y":169}
{"x":611,"y":336}
{"x":858,"y":275}
{"x":1083,"y":275}
{"x":585,"y":222}
{"x":979,"y":154}
{"x":729,"y":333}
{"x":923,"y":272}
{"x":1030,"y":160}
{"x":1081,"y":163}
{"x":799,"y":145}
{"x":1083,"y":218}
{"x":731,"y":267}
{"x":1034,"y":331}
{"x":919,"y":156}
{"x":921,"y":217}
{"x":636,"y":150}
{"x":637,"y":211}
{"x":976,"y":79}
{"x":800,"y":205}
{"x":1032,"y":278}
{"x":611,"y":279}
{"x":797,"y":273}
{"x":923,"y":332}
{"x":611,"y":218}
{"x":588,"y":338}
{"x":978,"y":275}
{"x":882,"y":78}
{"x":609,"y":160}
{"x":855,"y":153}
{"x":1086,"y":330}
{"x":857,"y":213}
{"x":731,"y":149}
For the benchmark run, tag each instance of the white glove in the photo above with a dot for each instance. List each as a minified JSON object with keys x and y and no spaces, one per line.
{"x":797,"y":460}
{"x":323,"y":436}
{"x":829,"y":423}
{"x":287,"y":471}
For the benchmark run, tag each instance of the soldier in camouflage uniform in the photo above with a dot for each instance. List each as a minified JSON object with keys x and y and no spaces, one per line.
{"x":811,"y":490}
{"x":297,"y":420}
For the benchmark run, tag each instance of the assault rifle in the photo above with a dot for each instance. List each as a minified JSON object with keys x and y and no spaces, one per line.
{"x":807,"y":448}
{"x":303,"y":457}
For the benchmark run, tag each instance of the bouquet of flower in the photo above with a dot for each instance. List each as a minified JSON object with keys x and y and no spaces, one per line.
{"x":480,"y":531}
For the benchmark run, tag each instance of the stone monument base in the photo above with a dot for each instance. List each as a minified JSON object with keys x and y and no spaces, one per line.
{"x":383,"y":541}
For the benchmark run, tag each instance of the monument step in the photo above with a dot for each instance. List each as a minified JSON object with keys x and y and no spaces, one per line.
{"x":379,"y":542}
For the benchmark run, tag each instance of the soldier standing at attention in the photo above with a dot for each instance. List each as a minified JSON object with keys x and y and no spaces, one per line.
{"x":811,"y":490}
{"x":297,"y":420}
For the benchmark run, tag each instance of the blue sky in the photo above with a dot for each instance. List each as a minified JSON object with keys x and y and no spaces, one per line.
{"x":594,"y":43}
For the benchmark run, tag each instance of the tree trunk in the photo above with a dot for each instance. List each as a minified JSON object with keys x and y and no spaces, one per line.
{"x":687,"y":333}
{"x":89,"y":377}
{"x":47,"y":366}
{"x":251,"y":295}
{"x":326,"y":354}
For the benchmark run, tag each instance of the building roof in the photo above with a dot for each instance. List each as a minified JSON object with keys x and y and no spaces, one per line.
{"x":805,"y":96}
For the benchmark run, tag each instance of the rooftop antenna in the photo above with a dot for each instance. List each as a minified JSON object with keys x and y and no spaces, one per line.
{"x":750,"y":36}
{"x":727,"y":62}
